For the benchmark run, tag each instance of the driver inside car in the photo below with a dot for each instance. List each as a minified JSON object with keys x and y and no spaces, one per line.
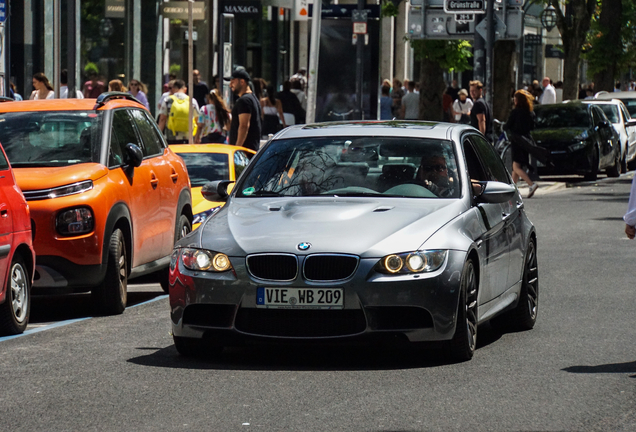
{"x":433,"y":174}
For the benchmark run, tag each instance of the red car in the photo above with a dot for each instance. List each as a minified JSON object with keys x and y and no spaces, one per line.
{"x":17,"y":257}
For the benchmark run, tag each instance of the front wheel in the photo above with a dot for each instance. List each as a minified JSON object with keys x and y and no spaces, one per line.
{"x":615,"y":170}
{"x":111,"y":296}
{"x":184,"y":227}
{"x":14,"y":312}
{"x":462,"y":346}
{"x":593,"y":174}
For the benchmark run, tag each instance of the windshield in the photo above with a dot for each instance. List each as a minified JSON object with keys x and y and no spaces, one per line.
{"x":354,"y":166}
{"x":611,"y":111}
{"x":45,"y":138}
{"x":630,"y":104}
{"x":206,"y":167}
{"x":561,"y":116}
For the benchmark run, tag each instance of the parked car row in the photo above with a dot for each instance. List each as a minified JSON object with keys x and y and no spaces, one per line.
{"x":99,"y":196}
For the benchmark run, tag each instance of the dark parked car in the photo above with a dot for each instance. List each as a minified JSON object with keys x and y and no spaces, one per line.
{"x":580,"y":140}
{"x":423,"y":241}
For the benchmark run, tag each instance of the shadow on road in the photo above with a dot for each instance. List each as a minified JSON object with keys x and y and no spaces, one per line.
{"x":628,"y":367}
{"x":303,"y":357}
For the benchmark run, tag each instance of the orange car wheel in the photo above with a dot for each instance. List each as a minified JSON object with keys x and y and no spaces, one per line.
{"x":110,"y":297}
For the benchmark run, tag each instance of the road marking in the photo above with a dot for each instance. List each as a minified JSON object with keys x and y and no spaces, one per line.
{"x":39,"y":327}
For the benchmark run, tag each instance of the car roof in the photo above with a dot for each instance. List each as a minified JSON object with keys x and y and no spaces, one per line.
{"x":207,"y":148}
{"x":617,"y":95}
{"x":603,"y":101}
{"x":65,"y":105}
{"x":424,"y":129}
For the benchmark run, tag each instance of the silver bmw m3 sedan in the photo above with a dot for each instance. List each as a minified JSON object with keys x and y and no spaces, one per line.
{"x":360,"y":230}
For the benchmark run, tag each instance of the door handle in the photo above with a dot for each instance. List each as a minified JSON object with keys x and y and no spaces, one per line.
{"x":154,"y":181}
{"x":174,"y":176}
{"x":4,"y":213}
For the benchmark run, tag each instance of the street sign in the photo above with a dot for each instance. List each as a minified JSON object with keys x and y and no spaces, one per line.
{"x":359,"y":28}
{"x":465,"y":6}
{"x":464,"y":17}
{"x":500,"y":28}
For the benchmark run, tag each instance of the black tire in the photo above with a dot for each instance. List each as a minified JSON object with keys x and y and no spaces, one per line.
{"x":111,"y":296}
{"x":624,"y":161}
{"x":190,"y":347}
{"x":524,"y":315}
{"x":15,"y":311}
{"x":593,"y":174}
{"x":631,"y":165}
{"x":615,"y":170}
{"x":463,"y":344}
{"x":184,"y":227}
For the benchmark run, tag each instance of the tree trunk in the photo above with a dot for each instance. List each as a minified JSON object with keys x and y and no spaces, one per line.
{"x":503,"y":79}
{"x":432,"y":88}
{"x":610,"y":43}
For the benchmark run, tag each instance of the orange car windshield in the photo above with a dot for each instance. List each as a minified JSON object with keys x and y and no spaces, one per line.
{"x":46,"y":138}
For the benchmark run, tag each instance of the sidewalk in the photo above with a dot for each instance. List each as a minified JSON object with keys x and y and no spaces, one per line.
{"x":555,"y":184}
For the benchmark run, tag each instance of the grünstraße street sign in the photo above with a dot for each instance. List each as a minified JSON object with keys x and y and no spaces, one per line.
{"x":465,"y":6}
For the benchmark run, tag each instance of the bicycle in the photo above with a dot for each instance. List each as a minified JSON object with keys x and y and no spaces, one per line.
{"x":503,"y":146}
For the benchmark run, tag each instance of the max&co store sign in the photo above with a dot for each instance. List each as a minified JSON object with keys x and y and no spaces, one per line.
{"x":242,"y":8}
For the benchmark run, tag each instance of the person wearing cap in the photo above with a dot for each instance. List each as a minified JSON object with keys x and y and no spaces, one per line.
{"x":245,"y":128}
{"x":462,"y":107}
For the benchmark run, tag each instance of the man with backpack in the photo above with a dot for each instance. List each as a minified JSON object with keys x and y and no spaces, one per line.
{"x":174,"y":114}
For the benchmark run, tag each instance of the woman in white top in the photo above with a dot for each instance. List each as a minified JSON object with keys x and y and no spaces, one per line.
{"x":214,"y":120}
{"x":272,"y":111}
{"x":42,"y":86}
{"x":462,"y":107}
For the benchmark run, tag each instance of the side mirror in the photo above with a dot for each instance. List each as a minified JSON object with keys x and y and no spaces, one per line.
{"x":630,"y":122}
{"x":494,"y":192}
{"x":135,"y":155}
{"x":216,"y":191}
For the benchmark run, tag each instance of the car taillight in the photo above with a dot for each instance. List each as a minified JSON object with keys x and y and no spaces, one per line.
{"x":75,"y":221}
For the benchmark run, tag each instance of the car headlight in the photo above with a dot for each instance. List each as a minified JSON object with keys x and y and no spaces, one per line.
{"x":201,"y":217}
{"x":75,"y":221}
{"x":412,"y":262}
{"x":577,"y":146}
{"x":204,"y":260}
{"x":582,"y":136}
{"x":71,"y":189}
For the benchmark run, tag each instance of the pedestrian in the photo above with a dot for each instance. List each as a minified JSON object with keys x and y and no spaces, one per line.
{"x":245,"y":129}
{"x":617,"y":86}
{"x":519,"y":125}
{"x":200,"y":90}
{"x":300,"y":76}
{"x":480,"y":114}
{"x":93,"y":87}
{"x":410,"y":109}
{"x":291,"y":105}
{"x":214,"y":120}
{"x":296,"y":88}
{"x":396,"y":94}
{"x":139,"y":91}
{"x":558,"y":89}
{"x":385,"y":103}
{"x":174,"y":115}
{"x":14,"y":92}
{"x":64,"y":87}
{"x":630,"y":216}
{"x":258,"y":87}
{"x":272,"y":112}
{"x":116,"y":86}
{"x":549,"y":93}
{"x":42,"y":86}
{"x":453,"y":91}
{"x":167,"y":93}
{"x":462,"y":107}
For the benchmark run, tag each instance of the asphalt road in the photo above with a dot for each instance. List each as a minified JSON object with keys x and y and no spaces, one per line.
{"x":575,"y":371}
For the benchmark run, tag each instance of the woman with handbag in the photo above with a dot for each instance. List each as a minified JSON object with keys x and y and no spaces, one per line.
{"x":461,"y":107}
{"x":214,"y":120}
{"x":519,"y":124}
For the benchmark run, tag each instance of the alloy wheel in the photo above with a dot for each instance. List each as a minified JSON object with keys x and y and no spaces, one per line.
{"x":531,"y":281}
{"x":19,"y":293}
{"x":471,"y":307}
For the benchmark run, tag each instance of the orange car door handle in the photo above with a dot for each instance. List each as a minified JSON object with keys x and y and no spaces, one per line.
{"x":174,"y":176}
{"x":154,"y":181}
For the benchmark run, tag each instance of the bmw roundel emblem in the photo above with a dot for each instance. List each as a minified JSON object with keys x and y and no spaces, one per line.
{"x":304,"y":246}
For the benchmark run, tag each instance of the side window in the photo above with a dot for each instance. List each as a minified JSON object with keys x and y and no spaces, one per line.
{"x":240,"y":162}
{"x":122,"y":133}
{"x":493,"y":163}
{"x":475,"y":170}
{"x":153,"y":145}
{"x":596,"y":116}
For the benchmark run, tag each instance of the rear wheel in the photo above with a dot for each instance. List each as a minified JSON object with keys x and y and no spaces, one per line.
{"x":462,"y":346}
{"x":615,"y":170}
{"x":111,"y":296}
{"x":14,"y":312}
{"x":624,"y":160}
{"x":191,"y":347}
{"x":183,"y":229}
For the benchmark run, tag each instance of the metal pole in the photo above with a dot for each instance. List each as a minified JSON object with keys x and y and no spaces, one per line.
{"x":314,"y":51}
{"x":359,"y":67}
{"x":57,"y":33}
{"x":190,"y":69}
{"x":7,"y":51}
{"x":70,"y":40}
{"x":479,"y":72}
{"x":490,"y":45}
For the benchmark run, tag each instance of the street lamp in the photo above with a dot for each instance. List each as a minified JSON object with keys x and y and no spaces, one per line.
{"x":549,"y":18}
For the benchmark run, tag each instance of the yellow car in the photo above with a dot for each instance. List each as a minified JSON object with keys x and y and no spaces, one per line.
{"x":210,"y":162}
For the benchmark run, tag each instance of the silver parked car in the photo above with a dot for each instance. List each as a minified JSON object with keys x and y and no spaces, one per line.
{"x":399,"y":230}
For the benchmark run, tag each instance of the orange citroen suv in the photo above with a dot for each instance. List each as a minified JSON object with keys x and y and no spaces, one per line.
{"x":108,"y":198}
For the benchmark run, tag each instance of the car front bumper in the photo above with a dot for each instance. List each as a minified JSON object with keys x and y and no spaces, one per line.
{"x":222,"y":306}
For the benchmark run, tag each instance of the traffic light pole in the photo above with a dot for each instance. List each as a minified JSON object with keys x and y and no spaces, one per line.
{"x":359,"y":68}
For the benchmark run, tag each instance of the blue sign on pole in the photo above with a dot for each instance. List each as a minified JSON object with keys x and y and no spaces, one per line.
{"x":3,"y":11}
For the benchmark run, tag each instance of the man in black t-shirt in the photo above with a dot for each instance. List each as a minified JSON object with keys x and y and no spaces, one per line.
{"x":200,"y":89}
{"x":480,"y":116}
{"x":245,"y":129}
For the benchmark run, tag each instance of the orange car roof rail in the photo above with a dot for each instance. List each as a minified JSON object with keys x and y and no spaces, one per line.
{"x":6,"y":99}
{"x":104,"y":98}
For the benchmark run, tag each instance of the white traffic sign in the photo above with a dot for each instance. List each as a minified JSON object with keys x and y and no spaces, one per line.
{"x":465,"y":6}
{"x":464,"y":17}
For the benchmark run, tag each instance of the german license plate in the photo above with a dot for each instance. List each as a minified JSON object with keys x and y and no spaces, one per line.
{"x":300,"y":298}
